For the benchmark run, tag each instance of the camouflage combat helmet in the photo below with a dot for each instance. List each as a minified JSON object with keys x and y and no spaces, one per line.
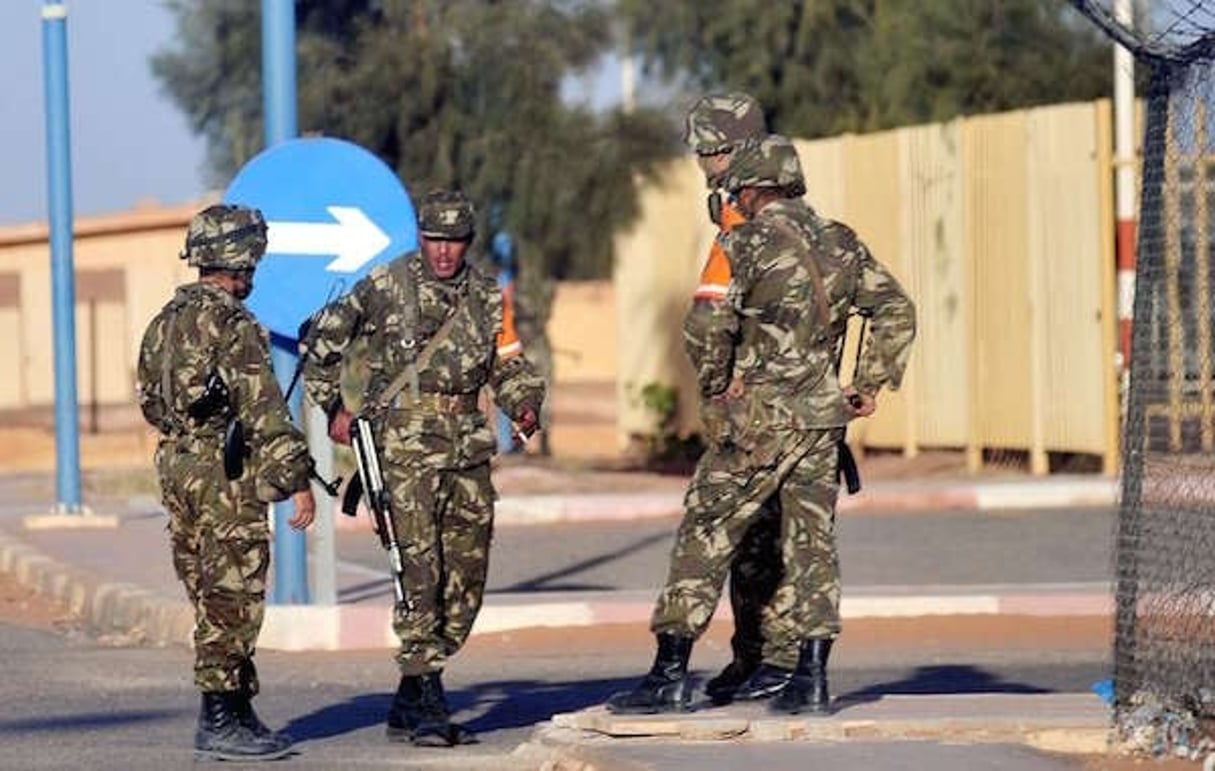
{"x":719,"y":122}
{"x":227,"y":237}
{"x":446,"y":215}
{"x":768,"y":162}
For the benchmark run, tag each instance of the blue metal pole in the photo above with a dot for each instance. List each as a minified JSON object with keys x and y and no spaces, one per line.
{"x":63,"y":291}
{"x":278,"y":70}
{"x":279,"y":111}
{"x":290,"y":546}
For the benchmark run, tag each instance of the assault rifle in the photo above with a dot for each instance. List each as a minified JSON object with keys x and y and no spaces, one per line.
{"x":370,"y":484}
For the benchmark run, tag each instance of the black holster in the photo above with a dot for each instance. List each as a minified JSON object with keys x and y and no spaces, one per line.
{"x":235,"y":449}
{"x":847,"y":468}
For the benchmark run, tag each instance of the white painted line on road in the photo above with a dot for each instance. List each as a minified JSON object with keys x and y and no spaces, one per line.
{"x":898,"y":607}
{"x":503,"y":618}
{"x":1061,"y":494}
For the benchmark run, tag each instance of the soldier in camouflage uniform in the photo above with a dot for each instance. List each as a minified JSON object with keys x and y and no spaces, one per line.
{"x":437,"y":332}
{"x":204,"y":366}
{"x":795,"y":279}
{"x":715,"y":125}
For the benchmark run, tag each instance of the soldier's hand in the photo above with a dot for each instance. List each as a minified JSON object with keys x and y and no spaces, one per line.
{"x":305,"y":509}
{"x":734,"y":390}
{"x":527,"y":424}
{"x":859,"y":404}
{"x":339,"y":427}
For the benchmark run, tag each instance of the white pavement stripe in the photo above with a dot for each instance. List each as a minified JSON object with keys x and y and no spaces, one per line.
{"x":497,"y":618}
{"x":902,"y":607}
{"x":1048,"y":494}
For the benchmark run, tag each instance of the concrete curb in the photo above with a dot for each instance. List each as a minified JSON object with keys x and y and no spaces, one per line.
{"x":888,"y":498}
{"x":107,"y":608}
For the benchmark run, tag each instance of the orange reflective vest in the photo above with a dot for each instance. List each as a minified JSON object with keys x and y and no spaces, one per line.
{"x":715,"y":276}
{"x":508,"y":339}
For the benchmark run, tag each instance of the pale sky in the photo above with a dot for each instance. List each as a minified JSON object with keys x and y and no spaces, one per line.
{"x":129,"y":143}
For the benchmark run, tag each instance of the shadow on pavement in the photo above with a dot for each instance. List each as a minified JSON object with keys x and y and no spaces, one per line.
{"x":546,"y":582}
{"x":88,"y":720}
{"x":945,"y":679}
{"x":522,"y":703}
{"x":336,"y":719}
{"x":497,"y":706}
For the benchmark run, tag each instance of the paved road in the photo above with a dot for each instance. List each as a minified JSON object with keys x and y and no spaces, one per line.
{"x":876,"y":550}
{"x":70,"y":702}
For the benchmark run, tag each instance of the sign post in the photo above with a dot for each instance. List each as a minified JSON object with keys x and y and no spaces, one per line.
{"x":333,"y":212}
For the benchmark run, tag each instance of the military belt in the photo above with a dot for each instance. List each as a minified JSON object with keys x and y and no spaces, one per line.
{"x":454,"y":404}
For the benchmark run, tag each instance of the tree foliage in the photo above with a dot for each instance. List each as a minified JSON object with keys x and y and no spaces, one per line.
{"x":823,"y":67}
{"x":460,"y":93}
{"x":468,"y":92}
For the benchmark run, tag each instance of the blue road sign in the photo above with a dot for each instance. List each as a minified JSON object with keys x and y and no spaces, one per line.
{"x":334,"y":212}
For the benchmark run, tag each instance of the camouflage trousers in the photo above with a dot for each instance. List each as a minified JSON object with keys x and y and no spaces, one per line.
{"x":755,"y":574}
{"x":725,"y":498}
{"x":220,"y":541}
{"x":444,"y":520}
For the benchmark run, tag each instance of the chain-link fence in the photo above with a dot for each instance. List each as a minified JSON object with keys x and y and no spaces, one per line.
{"x":1164,"y":648}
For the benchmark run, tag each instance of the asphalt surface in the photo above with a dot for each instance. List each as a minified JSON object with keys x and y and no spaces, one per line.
{"x":897,"y":550}
{"x":71,"y":701}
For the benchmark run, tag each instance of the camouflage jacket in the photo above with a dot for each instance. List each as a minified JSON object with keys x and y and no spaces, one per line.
{"x":785,"y":355}
{"x":481,"y":349}
{"x":205,"y":329}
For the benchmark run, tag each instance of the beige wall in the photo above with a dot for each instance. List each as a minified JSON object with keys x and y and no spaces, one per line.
{"x":127,"y":268}
{"x":998,"y":226}
{"x":582,"y":332}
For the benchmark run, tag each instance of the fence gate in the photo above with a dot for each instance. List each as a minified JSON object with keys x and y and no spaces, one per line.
{"x":1164,"y":647}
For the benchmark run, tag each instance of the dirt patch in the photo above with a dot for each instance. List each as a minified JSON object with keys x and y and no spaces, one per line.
{"x":22,"y":606}
{"x":24,"y":449}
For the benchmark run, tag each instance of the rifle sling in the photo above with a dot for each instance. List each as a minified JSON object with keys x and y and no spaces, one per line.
{"x":816,"y":276}
{"x":409,"y":375}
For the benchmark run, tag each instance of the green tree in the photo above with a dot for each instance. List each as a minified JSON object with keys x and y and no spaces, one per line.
{"x":464,"y":93}
{"x":822,"y":67}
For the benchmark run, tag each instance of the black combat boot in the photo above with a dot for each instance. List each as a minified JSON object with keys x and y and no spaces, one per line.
{"x":807,"y":691}
{"x":405,"y":713}
{"x":220,"y":736}
{"x":665,"y":688}
{"x":767,"y":680}
{"x":747,"y":658}
{"x":434,"y":727}
{"x":244,"y":708}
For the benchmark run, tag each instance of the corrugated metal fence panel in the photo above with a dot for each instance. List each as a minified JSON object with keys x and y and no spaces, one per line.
{"x":994,"y":149}
{"x":826,"y":183}
{"x":657,"y":264}
{"x":874,"y":198}
{"x":1065,"y":243}
{"x":931,"y":177}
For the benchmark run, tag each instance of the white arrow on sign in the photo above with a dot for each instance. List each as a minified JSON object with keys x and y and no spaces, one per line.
{"x":354,"y":238}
